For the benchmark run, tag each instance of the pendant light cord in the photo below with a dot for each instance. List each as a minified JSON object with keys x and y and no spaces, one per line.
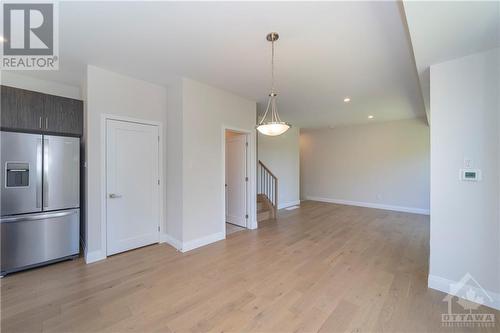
{"x":272,"y":66}
{"x":274,"y":113}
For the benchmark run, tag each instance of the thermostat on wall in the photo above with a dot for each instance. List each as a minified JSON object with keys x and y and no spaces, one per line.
{"x":471,"y":175}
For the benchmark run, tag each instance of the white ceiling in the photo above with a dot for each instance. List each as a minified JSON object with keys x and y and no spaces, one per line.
{"x":327,"y":50}
{"x":443,"y":30}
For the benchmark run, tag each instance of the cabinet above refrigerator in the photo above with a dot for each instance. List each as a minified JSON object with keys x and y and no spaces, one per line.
{"x":35,"y":112}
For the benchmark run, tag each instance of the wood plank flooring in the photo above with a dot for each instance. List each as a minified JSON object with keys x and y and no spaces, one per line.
{"x":320,"y":268}
{"x":232,"y":228}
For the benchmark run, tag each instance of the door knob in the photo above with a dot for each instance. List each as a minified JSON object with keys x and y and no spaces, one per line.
{"x":114,"y":196}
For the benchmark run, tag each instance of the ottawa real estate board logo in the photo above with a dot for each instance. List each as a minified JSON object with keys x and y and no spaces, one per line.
{"x":29,"y":39}
{"x":464,"y":305}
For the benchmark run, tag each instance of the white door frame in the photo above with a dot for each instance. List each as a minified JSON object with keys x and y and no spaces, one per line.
{"x":251,"y":171}
{"x":237,"y":138}
{"x":104,"y":222}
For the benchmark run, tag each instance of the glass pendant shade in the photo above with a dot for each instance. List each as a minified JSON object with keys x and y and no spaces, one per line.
{"x":273,"y":128}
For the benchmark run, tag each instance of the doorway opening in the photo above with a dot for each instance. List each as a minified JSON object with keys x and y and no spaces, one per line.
{"x":236,"y":181}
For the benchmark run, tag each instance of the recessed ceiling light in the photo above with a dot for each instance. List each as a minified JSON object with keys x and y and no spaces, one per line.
{"x":347,"y":100}
{"x":2,"y":39}
{"x":370,"y":117}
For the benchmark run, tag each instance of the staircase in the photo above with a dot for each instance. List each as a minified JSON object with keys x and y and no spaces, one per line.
{"x":267,"y":194}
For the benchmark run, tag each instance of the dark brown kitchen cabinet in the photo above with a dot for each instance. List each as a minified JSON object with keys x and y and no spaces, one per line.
{"x":21,"y":109}
{"x":24,"y":110}
{"x":63,"y":115}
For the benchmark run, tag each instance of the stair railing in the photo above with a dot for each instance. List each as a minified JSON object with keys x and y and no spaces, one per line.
{"x":267,"y":185}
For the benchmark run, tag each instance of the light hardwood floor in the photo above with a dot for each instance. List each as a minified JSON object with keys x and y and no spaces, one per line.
{"x":323,"y":267}
{"x":231,"y":228}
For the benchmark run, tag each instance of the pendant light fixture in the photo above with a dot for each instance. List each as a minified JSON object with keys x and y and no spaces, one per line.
{"x":274,"y":125}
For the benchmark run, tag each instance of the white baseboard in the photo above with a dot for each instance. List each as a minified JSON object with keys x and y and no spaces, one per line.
{"x":94,"y":256}
{"x":196,"y":243}
{"x":166,"y":238}
{"x":444,"y":285}
{"x":288,"y":204}
{"x":371,"y":205}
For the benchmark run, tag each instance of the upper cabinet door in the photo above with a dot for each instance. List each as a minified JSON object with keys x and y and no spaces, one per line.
{"x":63,"y":115}
{"x":21,"y":109}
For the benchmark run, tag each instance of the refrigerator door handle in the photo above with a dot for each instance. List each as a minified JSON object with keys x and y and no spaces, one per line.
{"x":39,"y":160}
{"x":34,"y":217}
{"x":45,"y":172}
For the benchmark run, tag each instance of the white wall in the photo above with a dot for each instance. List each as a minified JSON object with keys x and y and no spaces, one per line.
{"x":47,"y":87}
{"x":206,"y":111}
{"x":174,"y":164}
{"x":194,"y":116}
{"x":111,"y":93}
{"x":465,"y":222}
{"x":383,"y":165}
{"x":281,"y":155}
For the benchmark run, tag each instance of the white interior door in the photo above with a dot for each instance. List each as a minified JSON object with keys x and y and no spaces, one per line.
{"x":132,"y":184}
{"x":236,"y":182}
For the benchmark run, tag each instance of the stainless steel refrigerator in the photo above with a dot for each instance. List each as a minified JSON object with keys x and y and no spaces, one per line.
{"x":40,"y":199}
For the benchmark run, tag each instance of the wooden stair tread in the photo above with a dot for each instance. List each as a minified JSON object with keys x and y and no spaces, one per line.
{"x":263,"y":216}
{"x":264,"y":209}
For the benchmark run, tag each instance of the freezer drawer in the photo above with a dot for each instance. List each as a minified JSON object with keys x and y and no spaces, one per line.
{"x":34,"y":239}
